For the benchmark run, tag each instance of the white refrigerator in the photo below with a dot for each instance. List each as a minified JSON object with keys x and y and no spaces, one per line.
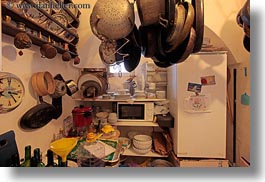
{"x":197,"y":91}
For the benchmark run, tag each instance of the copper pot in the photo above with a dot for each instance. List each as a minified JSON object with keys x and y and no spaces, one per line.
{"x":48,"y":51}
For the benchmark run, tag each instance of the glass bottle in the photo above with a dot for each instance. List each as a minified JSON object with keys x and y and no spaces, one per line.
{"x":50,"y":160}
{"x":15,"y":161}
{"x":61,"y":163}
{"x":38,"y":157}
{"x":27,"y":158}
{"x":33,"y":162}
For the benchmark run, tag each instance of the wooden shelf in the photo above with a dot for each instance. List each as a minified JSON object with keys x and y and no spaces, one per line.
{"x":135,"y":123}
{"x":118,"y":100}
{"x":17,"y":16}
{"x":131,"y":152}
{"x":11,"y":30}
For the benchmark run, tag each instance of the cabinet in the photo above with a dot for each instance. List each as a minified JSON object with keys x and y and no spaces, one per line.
{"x":37,"y":29}
{"x":125,"y":126}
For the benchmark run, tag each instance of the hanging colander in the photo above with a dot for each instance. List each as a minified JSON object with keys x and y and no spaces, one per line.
{"x":112,"y":20}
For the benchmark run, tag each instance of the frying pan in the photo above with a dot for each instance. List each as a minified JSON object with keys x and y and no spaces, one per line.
{"x":177,"y":39}
{"x":170,"y":11}
{"x":148,"y":37}
{"x":38,"y":116}
{"x":175,"y":30}
{"x":132,"y":61}
{"x":179,"y":54}
{"x":133,"y":51}
{"x":198,"y":24}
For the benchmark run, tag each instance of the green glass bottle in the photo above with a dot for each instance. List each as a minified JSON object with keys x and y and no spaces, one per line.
{"x":15,"y":161}
{"x":27,"y":158}
{"x":50,"y":159}
{"x":38,"y":157}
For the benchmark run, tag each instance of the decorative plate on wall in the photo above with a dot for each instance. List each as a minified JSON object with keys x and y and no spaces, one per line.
{"x":53,"y":26}
{"x":33,"y":13}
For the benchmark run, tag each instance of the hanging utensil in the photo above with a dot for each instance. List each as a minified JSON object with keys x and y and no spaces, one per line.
{"x":22,"y":40}
{"x":47,"y":50}
{"x":198,"y":24}
{"x":66,"y":56}
{"x":112,"y":20}
{"x":150,"y":11}
{"x":38,"y":116}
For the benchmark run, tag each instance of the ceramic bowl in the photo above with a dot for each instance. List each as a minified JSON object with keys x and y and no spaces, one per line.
{"x":141,"y":151}
{"x":142,"y":141}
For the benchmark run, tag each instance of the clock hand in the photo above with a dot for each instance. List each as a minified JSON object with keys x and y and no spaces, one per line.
{"x":9,"y":81}
{"x":13,"y":98}
{"x":14,"y":93}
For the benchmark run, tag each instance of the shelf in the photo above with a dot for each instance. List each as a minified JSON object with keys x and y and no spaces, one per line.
{"x":51,"y":18}
{"x":131,"y":152}
{"x":11,"y":30}
{"x":118,"y":100}
{"x":135,"y":123}
{"x":34,"y":26}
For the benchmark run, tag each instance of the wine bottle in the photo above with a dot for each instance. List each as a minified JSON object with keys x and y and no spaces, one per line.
{"x":15,"y":161}
{"x":38,"y":157}
{"x":33,"y":162}
{"x":50,"y":159}
{"x":27,"y":158}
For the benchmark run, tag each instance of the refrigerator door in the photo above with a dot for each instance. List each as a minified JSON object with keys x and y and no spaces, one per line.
{"x":200,"y":120}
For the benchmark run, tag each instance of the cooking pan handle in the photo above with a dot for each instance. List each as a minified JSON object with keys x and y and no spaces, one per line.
{"x":163,"y":22}
{"x":41,"y":99}
{"x":132,"y":23}
{"x":94,"y":29}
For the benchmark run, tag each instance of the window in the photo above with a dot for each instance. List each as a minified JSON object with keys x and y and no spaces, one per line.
{"x":117,"y":68}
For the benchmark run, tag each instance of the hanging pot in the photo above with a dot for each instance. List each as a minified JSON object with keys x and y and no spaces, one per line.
{"x":150,"y":11}
{"x":179,"y":55}
{"x":109,"y":51}
{"x":48,"y":51}
{"x":179,"y":37}
{"x":198,"y":24}
{"x":66,"y":56}
{"x":22,"y":41}
{"x":148,"y":37}
{"x":112,"y":20}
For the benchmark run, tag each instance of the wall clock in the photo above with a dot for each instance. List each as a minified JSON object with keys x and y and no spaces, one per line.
{"x":11,"y":92}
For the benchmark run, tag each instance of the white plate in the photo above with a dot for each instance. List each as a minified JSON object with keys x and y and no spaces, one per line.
{"x":34,"y":14}
{"x":69,"y":18}
{"x":54,"y":27}
{"x":88,"y":77}
{"x":68,"y":36}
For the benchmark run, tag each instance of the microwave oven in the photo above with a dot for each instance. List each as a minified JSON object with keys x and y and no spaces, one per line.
{"x":137,"y":111}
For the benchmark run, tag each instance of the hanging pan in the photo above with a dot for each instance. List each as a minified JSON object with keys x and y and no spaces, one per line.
{"x":38,"y":116}
{"x":148,"y":37}
{"x":150,"y":11}
{"x":198,"y":24}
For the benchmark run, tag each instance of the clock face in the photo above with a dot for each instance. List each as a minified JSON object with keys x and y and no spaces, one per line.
{"x":11,"y":92}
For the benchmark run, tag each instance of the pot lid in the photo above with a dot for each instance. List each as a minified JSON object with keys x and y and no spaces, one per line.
{"x":82,"y":109}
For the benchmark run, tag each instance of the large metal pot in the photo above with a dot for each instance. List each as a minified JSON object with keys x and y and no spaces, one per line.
{"x":150,"y":11}
{"x":112,"y":20}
